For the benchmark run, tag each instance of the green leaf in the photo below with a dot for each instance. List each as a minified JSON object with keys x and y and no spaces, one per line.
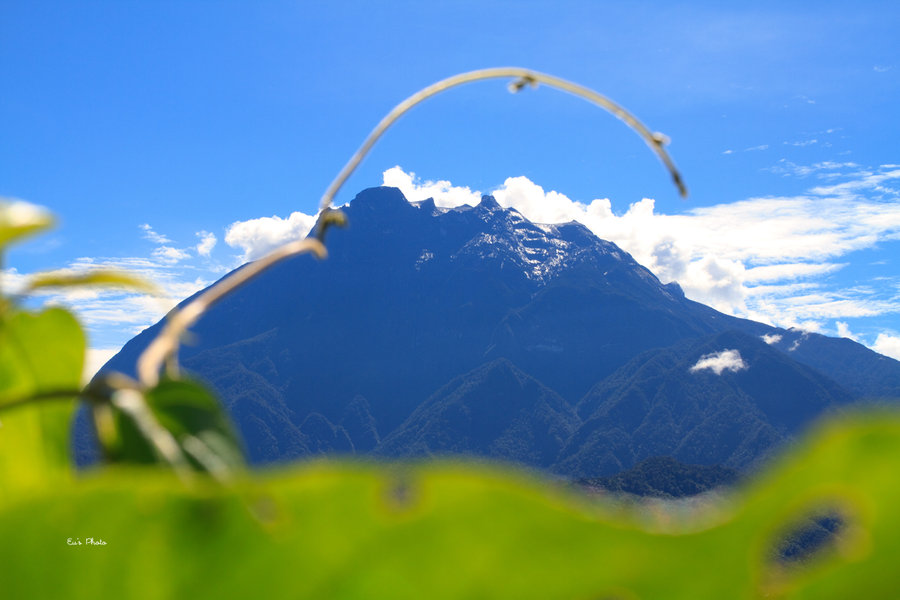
{"x":41,"y":354}
{"x":199,"y":423}
{"x":196,"y":421}
{"x":94,"y":278}
{"x":446,"y":531}
{"x":20,"y":219}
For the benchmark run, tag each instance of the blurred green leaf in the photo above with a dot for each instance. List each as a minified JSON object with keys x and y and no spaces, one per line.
{"x":40,"y":354}
{"x":196,"y":421}
{"x":438,"y":531}
{"x":94,"y":278}
{"x":20,"y":219}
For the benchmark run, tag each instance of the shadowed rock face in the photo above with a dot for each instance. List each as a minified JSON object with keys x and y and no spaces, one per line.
{"x":659,"y":404}
{"x":495,"y":410}
{"x":473,"y":330}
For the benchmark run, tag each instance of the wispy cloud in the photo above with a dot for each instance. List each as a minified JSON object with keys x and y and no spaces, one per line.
{"x":112,"y":316}
{"x":166,"y":253}
{"x":825,"y":169}
{"x":802,"y":143}
{"x":104,"y":309}
{"x":207,"y":243}
{"x":870,"y":181}
{"x":789,"y":271}
{"x":153,"y":236}
{"x":719,"y":362}
{"x":170,"y":255}
{"x":757,"y":148}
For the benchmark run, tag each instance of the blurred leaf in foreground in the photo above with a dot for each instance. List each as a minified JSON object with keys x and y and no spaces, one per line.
{"x":331,"y":530}
{"x":41,"y":359}
{"x":190,"y":416}
{"x":19,"y":219}
{"x":94,"y":278}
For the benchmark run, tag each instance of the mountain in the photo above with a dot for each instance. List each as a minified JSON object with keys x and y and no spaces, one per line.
{"x":863,"y":372}
{"x":660,"y":404}
{"x":424,"y":317}
{"x":495,"y":410}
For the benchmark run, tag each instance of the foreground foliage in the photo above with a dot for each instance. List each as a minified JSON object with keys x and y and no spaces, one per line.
{"x":451,"y":531}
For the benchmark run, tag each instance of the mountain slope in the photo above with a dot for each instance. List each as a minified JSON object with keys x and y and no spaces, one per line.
{"x":495,"y":410}
{"x":864,"y":372}
{"x":660,"y":404}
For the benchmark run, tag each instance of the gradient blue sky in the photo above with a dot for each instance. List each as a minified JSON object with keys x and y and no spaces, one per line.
{"x":148,"y":126}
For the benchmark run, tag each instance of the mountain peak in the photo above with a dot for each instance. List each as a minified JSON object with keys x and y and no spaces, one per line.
{"x":381,"y":198}
{"x":427,"y":205}
{"x":488,"y":202}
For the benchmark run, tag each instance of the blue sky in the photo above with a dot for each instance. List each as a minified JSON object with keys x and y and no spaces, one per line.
{"x":153,"y":128}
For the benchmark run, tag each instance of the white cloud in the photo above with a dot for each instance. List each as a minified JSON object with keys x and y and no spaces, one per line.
{"x":539,"y":206}
{"x":154,"y":237}
{"x":207,"y":242}
{"x":865,"y":180}
{"x":771,"y":338}
{"x":806,"y":327}
{"x":802,"y":143}
{"x":170,"y":255}
{"x":13,"y":281}
{"x":112,"y":316}
{"x":889,"y":345}
{"x":94,"y":359}
{"x":444,"y":193}
{"x":843,"y":330}
{"x":115,"y":308}
{"x":824,"y":169}
{"x":789,"y":271}
{"x":726,"y":360}
{"x":257,"y":237}
{"x":764,"y":269}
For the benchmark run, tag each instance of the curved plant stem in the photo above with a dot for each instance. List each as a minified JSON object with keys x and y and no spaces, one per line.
{"x":165,"y":345}
{"x":523,"y":77}
{"x":132,"y":403}
{"x":66,"y":394}
{"x":163,"y":348}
